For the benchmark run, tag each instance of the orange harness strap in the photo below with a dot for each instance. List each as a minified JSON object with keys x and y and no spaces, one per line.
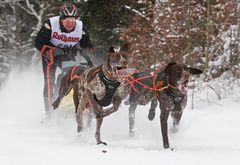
{"x":73,"y":76}
{"x":49,"y":63}
{"x":158,"y":87}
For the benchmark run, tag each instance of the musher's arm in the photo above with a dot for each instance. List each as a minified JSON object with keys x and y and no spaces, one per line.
{"x":85,"y":41}
{"x":44,"y":35}
{"x":43,"y":44}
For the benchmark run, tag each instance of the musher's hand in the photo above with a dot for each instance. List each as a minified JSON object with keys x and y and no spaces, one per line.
{"x":65,"y":51}
{"x":50,"y":52}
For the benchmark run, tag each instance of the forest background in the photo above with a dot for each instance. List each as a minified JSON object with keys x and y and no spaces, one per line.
{"x":200,"y":33}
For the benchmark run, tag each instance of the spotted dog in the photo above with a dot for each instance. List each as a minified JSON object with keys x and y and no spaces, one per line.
{"x":100,"y":87}
{"x":167,"y":86}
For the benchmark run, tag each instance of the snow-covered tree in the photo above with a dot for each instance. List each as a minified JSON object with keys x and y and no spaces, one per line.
{"x":140,"y":34}
{"x":199,"y":33}
{"x":20,"y":20}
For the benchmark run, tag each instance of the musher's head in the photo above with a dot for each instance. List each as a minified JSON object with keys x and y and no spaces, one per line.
{"x":68,"y":15}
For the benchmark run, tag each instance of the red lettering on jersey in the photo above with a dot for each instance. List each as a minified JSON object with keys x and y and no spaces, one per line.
{"x":55,"y":34}
{"x":64,"y":38}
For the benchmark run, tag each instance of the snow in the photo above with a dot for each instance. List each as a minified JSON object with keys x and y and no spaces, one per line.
{"x":207,"y":135}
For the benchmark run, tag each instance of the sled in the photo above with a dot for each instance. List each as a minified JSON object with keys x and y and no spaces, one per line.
{"x":67,"y":102}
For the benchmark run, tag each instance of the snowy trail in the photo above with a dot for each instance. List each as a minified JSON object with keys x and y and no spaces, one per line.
{"x":207,"y":135}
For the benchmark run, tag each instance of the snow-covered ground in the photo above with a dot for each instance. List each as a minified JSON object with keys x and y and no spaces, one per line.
{"x":209,"y":134}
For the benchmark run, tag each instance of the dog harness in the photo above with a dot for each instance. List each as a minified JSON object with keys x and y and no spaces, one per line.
{"x":169,"y":91}
{"x":111,"y":87}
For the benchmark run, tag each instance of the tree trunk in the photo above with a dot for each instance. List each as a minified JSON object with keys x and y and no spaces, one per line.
{"x":207,"y":42}
{"x":189,"y":56}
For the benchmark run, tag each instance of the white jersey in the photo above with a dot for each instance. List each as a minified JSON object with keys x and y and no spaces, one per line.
{"x":62,"y":39}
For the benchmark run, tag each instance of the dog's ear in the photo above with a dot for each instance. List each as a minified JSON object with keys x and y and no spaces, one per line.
{"x":111,"y":50}
{"x":125,"y":48}
{"x":192,"y":70}
{"x":168,"y":67}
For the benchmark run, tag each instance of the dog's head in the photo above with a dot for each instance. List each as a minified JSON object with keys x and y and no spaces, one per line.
{"x":117,"y":61}
{"x":178,"y":75}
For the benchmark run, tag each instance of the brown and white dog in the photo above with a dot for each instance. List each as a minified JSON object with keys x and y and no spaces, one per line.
{"x":100,"y":87}
{"x":168,"y":86}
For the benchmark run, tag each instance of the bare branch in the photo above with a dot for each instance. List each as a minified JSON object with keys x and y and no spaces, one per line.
{"x":137,"y":12}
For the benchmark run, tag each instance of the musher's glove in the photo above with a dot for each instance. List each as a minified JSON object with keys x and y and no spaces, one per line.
{"x":66,"y":51}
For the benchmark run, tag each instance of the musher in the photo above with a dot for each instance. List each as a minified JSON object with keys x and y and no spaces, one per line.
{"x":57,"y":41}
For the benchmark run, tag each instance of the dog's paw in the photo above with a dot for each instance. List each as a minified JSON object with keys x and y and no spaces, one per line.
{"x":55,"y":104}
{"x":170,"y":149}
{"x":101,"y":142}
{"x":166,"y":146}
{"x":79,"y":129}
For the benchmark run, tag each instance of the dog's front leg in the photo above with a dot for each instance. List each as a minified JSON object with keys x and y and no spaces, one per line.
{"x":131,"y":117}
{"x":76,"y":95}
{"x":164,"y":127}
{"x":98,"y":134}
{"x":96,"y":109}
{"x":65,"y":88}
{"x":79,"y":114}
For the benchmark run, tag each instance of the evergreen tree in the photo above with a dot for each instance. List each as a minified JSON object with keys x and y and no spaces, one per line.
{"x":105,"y":20}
